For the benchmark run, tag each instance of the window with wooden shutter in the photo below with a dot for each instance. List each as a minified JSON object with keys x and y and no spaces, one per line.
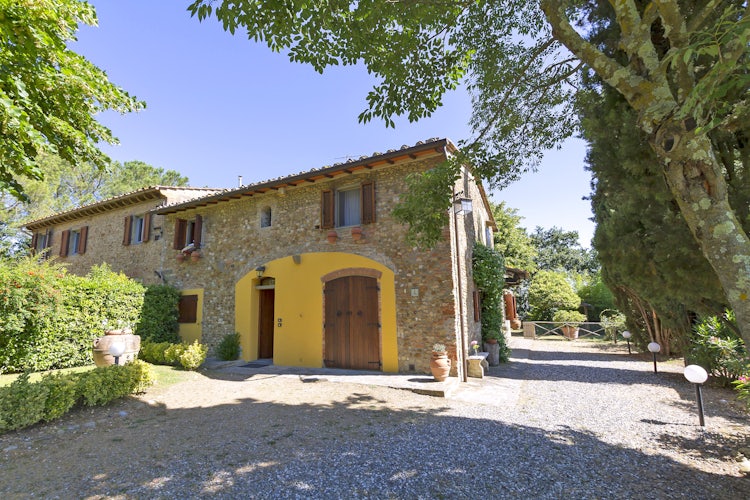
{"x":82,"y":239}
{"x":126,"y":233}
{"x":327,"y":220}
{"x":64,"y":243}
{"x":146,"y":227}
{"x":34,"y":241}
{"x":197,"y":230}
{"x":180,"y":229}
{"x":368,"y":202}
{"x":188,"y":309}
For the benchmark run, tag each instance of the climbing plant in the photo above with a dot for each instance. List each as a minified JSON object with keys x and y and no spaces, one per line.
{"x":488,"y":267}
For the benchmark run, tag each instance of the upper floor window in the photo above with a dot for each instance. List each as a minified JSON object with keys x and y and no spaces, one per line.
{"x":187,"y":232}
{"x":73,"y":241}
{"x":265,"y":217}
{"x":137,"y":229}
{"x":41,"y":241}
{"x":348,"y":206}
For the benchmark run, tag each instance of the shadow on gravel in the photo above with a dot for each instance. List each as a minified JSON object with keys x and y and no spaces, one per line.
{"x":534,"y":370}
{"x":359,"y":447}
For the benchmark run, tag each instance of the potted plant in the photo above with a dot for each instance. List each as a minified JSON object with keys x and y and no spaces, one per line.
{"x":440,"y":365}
{"x":569,"y":321}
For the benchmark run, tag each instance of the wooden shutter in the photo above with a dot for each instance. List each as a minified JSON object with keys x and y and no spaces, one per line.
{"x":476,"y":306}
{"x":188,"y":309}
{"x":327,"y":220}
{"x":82,"y":237}
{"x":146,"y":227}
{"x":180,"y":228}
{"x":48,"y":240}
{"x":197,"y":231}
{"x":126,"y":233}
{"x":367,"y":200}
{"x":34,"y":240}
{"x":64,"y":243}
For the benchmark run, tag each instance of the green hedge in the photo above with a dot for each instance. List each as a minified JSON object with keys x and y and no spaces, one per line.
{"x":24,"y":403}
{"x":188,"y":356}
{"x":158,"y":322}
{"x":49,"y":318}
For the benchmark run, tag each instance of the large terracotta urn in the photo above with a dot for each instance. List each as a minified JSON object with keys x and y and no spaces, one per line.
{"x":440,"y":366}
{"x":132,"y":343}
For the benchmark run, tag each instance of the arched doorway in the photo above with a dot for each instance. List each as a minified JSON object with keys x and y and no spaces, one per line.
{"x":352,"y":326}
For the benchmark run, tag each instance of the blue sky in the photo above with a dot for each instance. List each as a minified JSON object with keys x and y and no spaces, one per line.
{"x":219,"y":106}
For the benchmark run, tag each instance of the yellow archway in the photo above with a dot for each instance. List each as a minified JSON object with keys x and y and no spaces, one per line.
{"x":298,"y":311}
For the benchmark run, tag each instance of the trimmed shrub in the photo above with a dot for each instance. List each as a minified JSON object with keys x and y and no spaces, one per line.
{"x":229,"y":347}
{"x":50,"y":317}
{"x":107,"y":383}
{"x":153,"y":352}
{"x":159,"y":315}
{"x":193,"y":356}
{"x":24,"y":403}
{"x":188,"y":356}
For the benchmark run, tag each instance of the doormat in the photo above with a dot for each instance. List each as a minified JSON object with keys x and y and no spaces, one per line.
{"x":261,"y":363}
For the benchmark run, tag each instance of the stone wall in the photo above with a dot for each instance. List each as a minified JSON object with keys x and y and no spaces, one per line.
{"x":104,"y":242}
{"x":234,"y":244}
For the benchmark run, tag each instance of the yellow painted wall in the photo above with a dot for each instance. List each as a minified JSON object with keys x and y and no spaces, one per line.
{"x":299,"y":306}
{"x":190,"y":332}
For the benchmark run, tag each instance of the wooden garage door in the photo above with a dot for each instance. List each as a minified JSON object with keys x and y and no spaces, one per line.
{"x":352,"y":330}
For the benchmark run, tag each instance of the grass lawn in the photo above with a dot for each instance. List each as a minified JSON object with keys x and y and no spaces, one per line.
{"x":164,"y":375}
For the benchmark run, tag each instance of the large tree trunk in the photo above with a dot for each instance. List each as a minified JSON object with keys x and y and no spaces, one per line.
{"x":695,"y":178}
{"x":693,"y":174}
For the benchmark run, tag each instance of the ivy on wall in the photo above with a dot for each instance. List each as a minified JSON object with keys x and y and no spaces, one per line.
{"x":488,"y":268}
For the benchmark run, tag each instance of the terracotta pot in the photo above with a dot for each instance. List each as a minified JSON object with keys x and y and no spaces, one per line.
{"x":121,"y":331}
{"x":180,"y":257}
{"x":332,"y":236}
{"x":101,"y":346}
{"x":195,"y":256}
{"x":570,"y":332}
{"x":356,"y":233}
{"x":491,"y":341}
{"x":440,"y":366}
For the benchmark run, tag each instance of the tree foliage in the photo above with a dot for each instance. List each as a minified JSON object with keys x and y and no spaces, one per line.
{"x":681,"y":66}
{"x":550,"y":292}
{"x":559,"y":250}
{"x":511,"y":240}
{"x":65,"y":186}
{"x":48,"y":93}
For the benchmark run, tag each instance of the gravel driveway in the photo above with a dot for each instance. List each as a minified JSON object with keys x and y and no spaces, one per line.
{"x":563,"y":420}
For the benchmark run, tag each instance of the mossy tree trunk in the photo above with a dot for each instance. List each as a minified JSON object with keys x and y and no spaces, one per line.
{"x":662,"y":89}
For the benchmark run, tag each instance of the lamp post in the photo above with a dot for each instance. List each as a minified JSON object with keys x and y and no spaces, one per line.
{"x":626,"y":335}
{"x":697,"y":375}
{"x":461,"y":206}
{"x":654,"y":347}
{"x":117,"y":349}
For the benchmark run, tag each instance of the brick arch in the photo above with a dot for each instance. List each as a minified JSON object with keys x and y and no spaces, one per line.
{"x":352,"y":271}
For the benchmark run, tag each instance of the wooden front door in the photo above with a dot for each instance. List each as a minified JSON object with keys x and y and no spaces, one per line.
{"x":265,"y":323}
{"x":352,"y":329}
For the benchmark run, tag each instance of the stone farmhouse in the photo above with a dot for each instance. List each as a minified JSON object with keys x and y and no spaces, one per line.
{"x":309,"y":269}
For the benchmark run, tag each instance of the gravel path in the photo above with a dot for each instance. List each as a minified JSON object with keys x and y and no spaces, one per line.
{"x":576,"y":420}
